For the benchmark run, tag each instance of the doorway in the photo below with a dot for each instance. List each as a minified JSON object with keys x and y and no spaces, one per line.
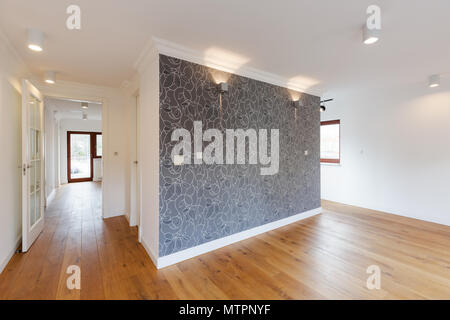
{"x":84,"y":149}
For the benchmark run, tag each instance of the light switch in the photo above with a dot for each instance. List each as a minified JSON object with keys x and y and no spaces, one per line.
{"x":178,"y":160}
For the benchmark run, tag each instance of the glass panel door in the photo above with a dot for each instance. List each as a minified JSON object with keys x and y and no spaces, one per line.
{"x":35,"y":162}
{"x":80,"y":156}
{"x":33,"y":220}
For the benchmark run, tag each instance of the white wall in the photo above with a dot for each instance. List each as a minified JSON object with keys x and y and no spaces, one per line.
{"x":149,"y":154}
{"x":73,"y":125}
{"x":395,"y":149}
{"x":11,"y":71}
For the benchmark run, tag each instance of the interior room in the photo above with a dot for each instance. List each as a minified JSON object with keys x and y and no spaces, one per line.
{"x":207,"y":150}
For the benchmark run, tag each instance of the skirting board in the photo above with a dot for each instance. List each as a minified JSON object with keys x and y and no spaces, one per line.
{"x":10,"y":255}
{"x":150,"y":252}
{"x":222,"y":242}
{"x":51,"y":197}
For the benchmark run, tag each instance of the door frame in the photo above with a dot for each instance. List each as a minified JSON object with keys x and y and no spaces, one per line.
{"x":92,"y":94}
{"x":93,"y":146}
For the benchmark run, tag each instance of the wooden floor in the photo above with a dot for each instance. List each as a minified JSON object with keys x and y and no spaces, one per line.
{"x":323,"y":257}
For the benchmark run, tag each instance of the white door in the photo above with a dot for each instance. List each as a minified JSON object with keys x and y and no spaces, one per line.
{"x":32,"y":164}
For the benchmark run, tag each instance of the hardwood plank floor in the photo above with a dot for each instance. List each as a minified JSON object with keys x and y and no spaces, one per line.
{"x":323,"y":257}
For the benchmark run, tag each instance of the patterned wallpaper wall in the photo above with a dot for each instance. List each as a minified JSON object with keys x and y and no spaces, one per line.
{"x":200,"y":203}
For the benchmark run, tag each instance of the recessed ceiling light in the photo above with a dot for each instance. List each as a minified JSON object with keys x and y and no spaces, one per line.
{"x":370,"y":36}
{"x":50,"y":77}
{"x":35,"y":40}
{"x":434,"y":81}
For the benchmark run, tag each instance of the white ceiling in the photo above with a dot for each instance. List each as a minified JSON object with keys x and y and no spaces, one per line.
{"x":314,"y":42}
{"x":71,"y":109}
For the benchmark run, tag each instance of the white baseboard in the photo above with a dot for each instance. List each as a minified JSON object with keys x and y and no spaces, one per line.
{"x":150,"y":252}
{"x":219,"y":243}
{"x":51,"y":197}
{"x":10,"y":255}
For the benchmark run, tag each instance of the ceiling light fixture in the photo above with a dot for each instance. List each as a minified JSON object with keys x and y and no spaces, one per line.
{"x":84,"y":105}
{"x":434,"y":81}
{"x":50,"y":77}
{"x":35,"y":40}
{"x":370,"y":36}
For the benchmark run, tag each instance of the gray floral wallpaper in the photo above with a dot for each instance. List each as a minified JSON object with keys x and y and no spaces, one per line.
{"x":200,"y":203}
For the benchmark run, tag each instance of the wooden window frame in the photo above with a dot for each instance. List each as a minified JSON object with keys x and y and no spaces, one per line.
{"x":93,"y":142}
{"x":327,"y":123}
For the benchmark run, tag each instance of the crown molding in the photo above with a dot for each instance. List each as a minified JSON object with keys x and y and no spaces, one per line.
{"x":158,"y":46}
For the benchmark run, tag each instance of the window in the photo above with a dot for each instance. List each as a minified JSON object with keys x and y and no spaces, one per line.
{"x":330,"y":141}
{"x":98,"y":146}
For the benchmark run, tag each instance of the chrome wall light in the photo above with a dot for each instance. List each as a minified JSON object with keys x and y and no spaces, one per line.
{"x":35,"y":40}
{"x":434,"y":81}
{"x":296,"y":105}
{"x":222,"y":87}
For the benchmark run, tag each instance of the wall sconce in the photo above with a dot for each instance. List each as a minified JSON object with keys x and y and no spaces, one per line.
{"x":296,"y":104}
{"x":223,"y":87}
{"x":84,"y":105}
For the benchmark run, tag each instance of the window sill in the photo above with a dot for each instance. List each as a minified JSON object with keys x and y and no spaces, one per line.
{"x":330,"y":164}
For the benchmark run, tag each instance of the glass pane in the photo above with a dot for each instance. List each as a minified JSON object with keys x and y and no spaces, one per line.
{"x":37,"y":168}
{"x":32,"y":112}
{"x":38,"y":144}
{"x":99,"y":145}
{"x":80,"y":156}
{"x":32,"y":209}
{"x":329,"y":141}
{"x":38,"y":206}
{"x":32,"y":178}
{"x":32,"y":144}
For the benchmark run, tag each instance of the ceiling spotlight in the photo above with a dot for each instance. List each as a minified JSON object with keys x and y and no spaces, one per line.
{"x":84,"y":105}
{"x":323,"y":108}
{"x":35,"y":40}
{"x":50,"y":77}
{"x":434,"y":81}
{"x":370,"y":36}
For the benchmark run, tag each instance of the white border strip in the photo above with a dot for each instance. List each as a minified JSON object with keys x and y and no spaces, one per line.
{"x":219,"y":243}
